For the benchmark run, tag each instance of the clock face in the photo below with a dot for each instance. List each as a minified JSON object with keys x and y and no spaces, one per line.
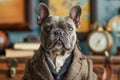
{"x":98,"y":41}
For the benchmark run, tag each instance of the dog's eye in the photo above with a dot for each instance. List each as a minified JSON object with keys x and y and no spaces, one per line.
{"x":48,"y":28}
{"x":70,"y":28}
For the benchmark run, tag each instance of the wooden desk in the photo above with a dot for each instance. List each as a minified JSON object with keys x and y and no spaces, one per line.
{"x":5,"y":68}
{"x":100,"y":65}
{"x":98,"y":61}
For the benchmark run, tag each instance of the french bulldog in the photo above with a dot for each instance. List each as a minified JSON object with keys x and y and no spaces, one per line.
{"x":59,"y":57}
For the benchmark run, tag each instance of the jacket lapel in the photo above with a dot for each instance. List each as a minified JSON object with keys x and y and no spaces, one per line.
{"x":42,"y":71}
{"x":76,"y":65}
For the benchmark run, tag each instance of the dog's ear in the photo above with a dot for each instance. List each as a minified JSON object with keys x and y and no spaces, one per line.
{"x":75,"y":14}
{"x":43,"y":12}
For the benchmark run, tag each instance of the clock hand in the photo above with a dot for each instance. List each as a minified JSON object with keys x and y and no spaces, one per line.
{"x":99,"y":40}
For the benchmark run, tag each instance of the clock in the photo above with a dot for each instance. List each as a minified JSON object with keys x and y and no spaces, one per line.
{"x":99,"y":41}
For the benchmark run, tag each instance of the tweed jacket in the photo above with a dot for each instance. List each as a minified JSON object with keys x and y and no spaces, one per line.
{"x":81,"y":68}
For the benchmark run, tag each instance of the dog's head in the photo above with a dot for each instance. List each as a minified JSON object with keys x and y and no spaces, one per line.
{"x":58,"y":32}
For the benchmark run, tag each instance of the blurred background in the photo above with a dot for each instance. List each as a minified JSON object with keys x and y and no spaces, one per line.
{"x":20,"y":33}
{"x":18,"y":18}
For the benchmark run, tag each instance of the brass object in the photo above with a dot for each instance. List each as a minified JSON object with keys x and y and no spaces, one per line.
{"x":12,"y":67}
{"x":97,"y":38}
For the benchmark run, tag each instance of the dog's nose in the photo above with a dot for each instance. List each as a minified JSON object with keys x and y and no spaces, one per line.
{"x":58,"y":32}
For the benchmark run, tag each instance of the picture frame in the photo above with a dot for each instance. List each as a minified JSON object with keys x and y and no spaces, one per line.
{"x":16,"y":15}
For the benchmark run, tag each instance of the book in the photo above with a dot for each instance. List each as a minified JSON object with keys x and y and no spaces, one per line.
{"x":26,"y":46}
{"x":18,"y":53}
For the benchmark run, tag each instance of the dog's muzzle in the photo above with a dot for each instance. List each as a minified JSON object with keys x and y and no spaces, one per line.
{"x":58,"y":38}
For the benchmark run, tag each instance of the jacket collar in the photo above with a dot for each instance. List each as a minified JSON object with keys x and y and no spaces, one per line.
{"x":76,"y":65}
{"x":41,"y":68}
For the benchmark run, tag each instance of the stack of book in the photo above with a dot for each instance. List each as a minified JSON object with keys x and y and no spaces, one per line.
{"x":21,"y":50}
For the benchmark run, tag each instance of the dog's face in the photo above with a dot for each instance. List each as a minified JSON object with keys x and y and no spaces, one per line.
{"x":58,"y":32}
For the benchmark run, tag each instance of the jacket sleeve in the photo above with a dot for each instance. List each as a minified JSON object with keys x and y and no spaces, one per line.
{"x":91,"y":74}
{"x":27,"y":73}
